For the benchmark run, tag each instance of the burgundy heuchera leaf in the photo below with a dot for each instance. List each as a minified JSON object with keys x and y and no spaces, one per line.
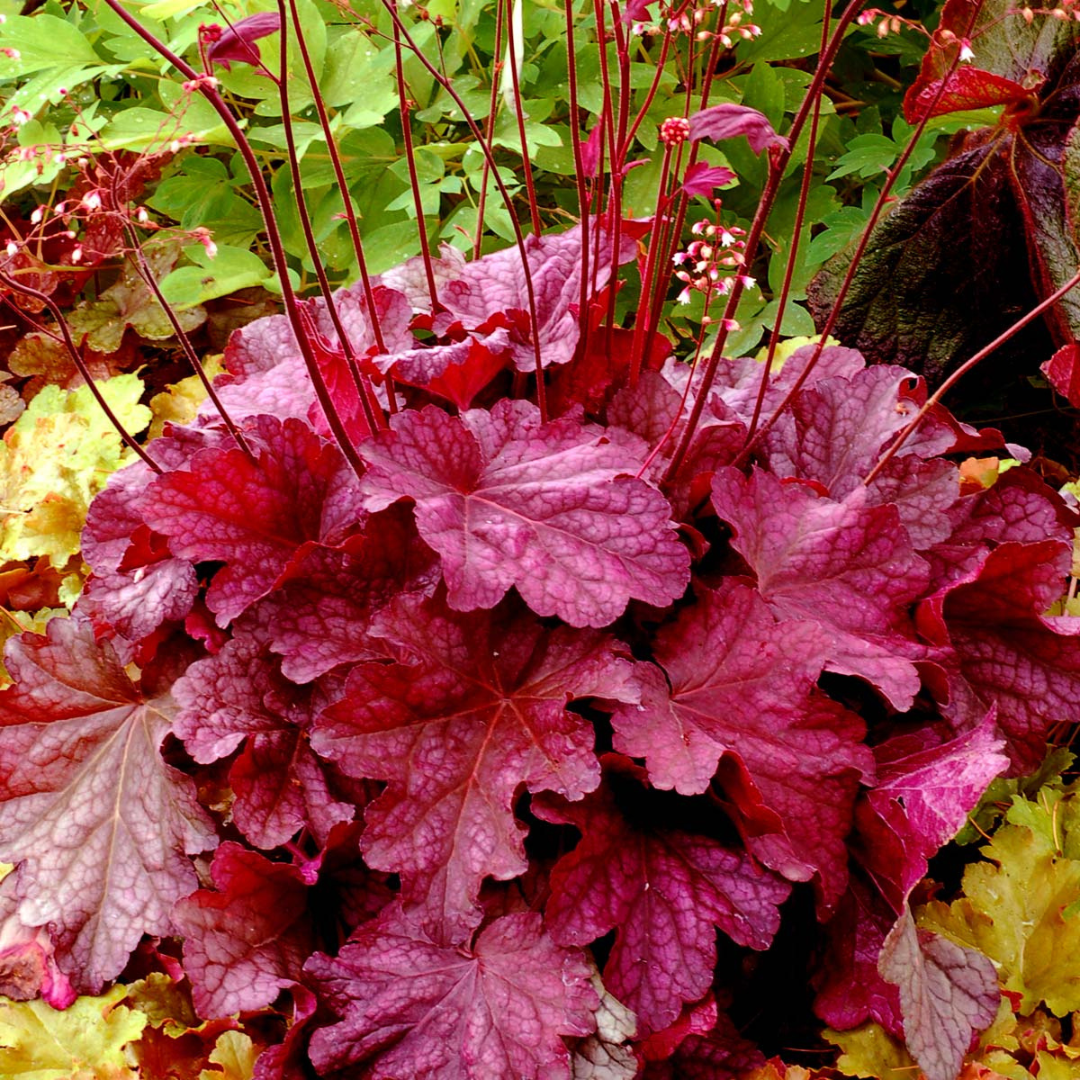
{"x":248,"y":940}
{"x":237,"y":41}
{"x":475,"y":708}
{"x":739,"y":685}
{"x":99,"y":823}
{"x":506,"y":500}
{"x":662,"y":890}
{"x":492,"y":1011}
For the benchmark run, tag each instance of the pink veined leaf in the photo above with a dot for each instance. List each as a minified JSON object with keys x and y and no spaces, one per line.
{"x":240,"y":696}
{"x":247,"y":939}
{"x":729,"y":121}
{"x":664,"y":892}
{"x":99,"y":823}
{"x":475,"y":709}
{"x":1008,"y":653}
{"x":846,"y":564}
{"x":948,"y":994}
{"x":255,"y":516}
{"x":1063,"y":372}
{"x":506,"y":500}
{"x":703,"y":179}
{"x":739,"y":685}
{"x":925,"y":790}
{"x":590,"y":149}
{"x":237,"y":42}
{"x":1019,"y":507}
{"x":493,"y":1010}
{"x":318,"y":618}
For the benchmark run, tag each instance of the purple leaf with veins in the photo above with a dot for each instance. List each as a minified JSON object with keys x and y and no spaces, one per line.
{"x":702,"y":178}
{"x":845,"y":564}
{"x":247,"y":940}
{"x":494,"y":1009}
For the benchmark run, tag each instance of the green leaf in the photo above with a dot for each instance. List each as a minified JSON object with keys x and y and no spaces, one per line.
{"x":231,"y":270}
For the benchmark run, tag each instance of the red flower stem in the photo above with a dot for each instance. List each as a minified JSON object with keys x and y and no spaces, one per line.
{"x":147,"y":274}
{"x":492,"y":106}
{"x":778,"y":160}
{"x":530,"y":187}
{"x":414,"y":179}
{"x":448,"y":86}
{"x":650,"y":94}
{"x":343,"y":186}
{"x":849,"y":277}
{"x":579,"y":176}
{"x":793,"y":254}
{"x":622,"y":52}
{"x":273,"y":234}
{"x":964,"y":368}
{"x":648,"y":278}
{"x":15,"y":285}
{"x":368,"y":402}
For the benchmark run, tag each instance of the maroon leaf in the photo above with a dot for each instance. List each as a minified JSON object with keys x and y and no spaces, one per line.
{"x":246,"y":941}
{"x":740,"y":686}
{"x":948,"y":994}
{"x":964,"y":88}
{"x":846,"y":565}
{"x":492,"y":1011}
{"x":254,"y":515}
{"x":1063,"y":372}
{"x":475,"y":708}
{"x":704,"y":1044}
{"x":100,"y":824}
{"x":238,"y":696}
{"x":476,"y":292}
{"x":664,"y":891}
{"x":506,"y":500}
{"x":456,"y":372}
{"x":728,"y":121}
{"x":237,"y":42}
{"x":849,"y":985}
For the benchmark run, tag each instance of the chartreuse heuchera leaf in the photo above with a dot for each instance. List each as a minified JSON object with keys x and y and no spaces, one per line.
{"x":499,"y":753}
{"x":55,"y":458}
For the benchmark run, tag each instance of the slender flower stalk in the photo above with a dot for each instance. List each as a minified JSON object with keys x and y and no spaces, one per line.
{"x":273,"y":234}
{"x":368,"y":402}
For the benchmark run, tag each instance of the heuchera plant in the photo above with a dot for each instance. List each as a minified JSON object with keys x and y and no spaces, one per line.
{"x":475,"y":688}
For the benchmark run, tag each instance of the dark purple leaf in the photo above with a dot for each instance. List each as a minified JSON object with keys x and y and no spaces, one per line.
{"x":1063,"y":372}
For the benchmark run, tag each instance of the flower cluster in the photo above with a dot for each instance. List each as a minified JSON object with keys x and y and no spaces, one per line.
{"x":712,"y":264}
